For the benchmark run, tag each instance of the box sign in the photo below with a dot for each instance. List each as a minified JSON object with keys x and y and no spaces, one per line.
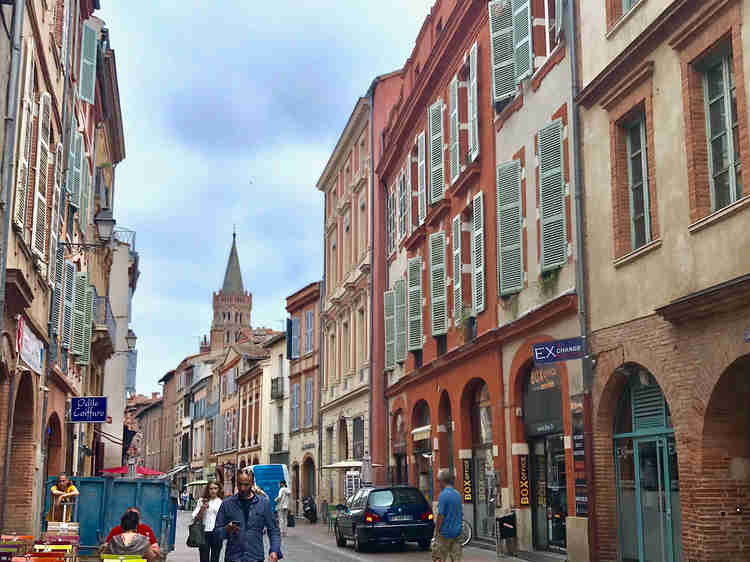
{"x":468,"y":483}
{"x":88,"y":409}
{"x":523,"y":479}
{"x":557,"y":351}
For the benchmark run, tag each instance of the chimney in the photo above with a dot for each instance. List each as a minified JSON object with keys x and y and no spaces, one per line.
{"x":205,"y":345}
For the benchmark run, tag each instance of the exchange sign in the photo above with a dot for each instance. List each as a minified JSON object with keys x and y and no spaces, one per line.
{"x":556,"y":351}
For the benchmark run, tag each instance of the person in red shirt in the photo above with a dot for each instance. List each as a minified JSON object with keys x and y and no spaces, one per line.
{"x":143,"y":529}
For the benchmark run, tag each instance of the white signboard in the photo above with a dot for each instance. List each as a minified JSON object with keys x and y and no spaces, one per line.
{"x":30,"y":347}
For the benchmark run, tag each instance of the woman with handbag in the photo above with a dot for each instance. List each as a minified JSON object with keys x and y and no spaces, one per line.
{"x":205,"y":515}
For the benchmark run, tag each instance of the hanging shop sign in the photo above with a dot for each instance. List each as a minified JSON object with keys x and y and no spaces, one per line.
{"x":543,"y":402}
{"x":29,"y":347}
{"x":523,"y":479}
{"x":88,"y":409}
{"x":556,"y":351}
{"x":468,"y":481}
{"x":543,"y":379}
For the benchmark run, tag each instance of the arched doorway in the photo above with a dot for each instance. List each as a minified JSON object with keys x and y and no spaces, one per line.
{"x":343,"y":446}
{"x":308,"y":478}
{"x":445,"y":433}
{"x":398,"y":444}
{"x":53,"y":438}
{"x":725,"y":469}
{"x":647,"y":481}
{"x":421,"y":435}
{"x":478,"y":406}
{"x":21,"y":478}
{"x":295,"y":485}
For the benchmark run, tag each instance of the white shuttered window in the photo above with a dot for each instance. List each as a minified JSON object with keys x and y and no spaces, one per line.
{"x":437,"y":157}
{"x":421,"y":178}
{"x":39,"y":236}
{"x":523,"y":56}
{"x":24,"y":141}
{"x":552,"y":196}
{"x":473,"y":99}
{"x":454,"y":124}
{"x":458,"y":299}
{"x":415,"y":303}
{"x":79,"y":312}
{"x":399,"y":289}
{"x":501,"y":32}
{"x":477,"y":254}
{"x":509,"y":225}
{"x":438,"y":296}
{"x":87,"y":77}
{"x":389,"y":314}
{"x":67,"y":315}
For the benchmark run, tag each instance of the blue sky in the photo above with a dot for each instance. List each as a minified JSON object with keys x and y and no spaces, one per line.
{"x":230,"y":115}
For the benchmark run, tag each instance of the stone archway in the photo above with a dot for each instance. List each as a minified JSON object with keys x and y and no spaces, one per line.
{"x":723,"y":487}
{"x":53,"y":438}
{"x":308,"y":477}
{"x":421,"y":439}
{"x":19,"y":504}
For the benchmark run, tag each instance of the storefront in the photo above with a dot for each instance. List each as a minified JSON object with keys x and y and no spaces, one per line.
{"x":421,"y":436}
{"x":400,"y":473}
{"x":484,"y":475}
{"x":543,"y":426}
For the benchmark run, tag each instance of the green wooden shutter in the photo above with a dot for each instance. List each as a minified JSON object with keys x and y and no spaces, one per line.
{"x":87,"y":75}
{"x":552,"y":197}
{"x":501,"y":32}
{"x":75,"y":176}
{"x":437,"y":164}
{"x":57,"y":279}
{"x":414,"y":273}
{"x":458,"y":299}
{"x":68,"y":294}
{"x":390,"y":330}
{"x":79,"y":313}
{"x":649,"y":407}
{"x":454,"y":144}
{"x":438,"y":298}
{"x":523,"y":55}
{"x":477,"y":255}
{"x":88,"y":317}
{"x":509,"y":228}
{"x":421,"y":178}
{"x":399,"y":289}
{"x":473,"y":102}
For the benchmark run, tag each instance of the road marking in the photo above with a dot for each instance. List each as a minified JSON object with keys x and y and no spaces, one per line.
{"x":338,"y":551}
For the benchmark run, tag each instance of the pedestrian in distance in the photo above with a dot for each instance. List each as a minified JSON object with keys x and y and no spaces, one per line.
{"x":130,"y":542}
{"x":206,"y":510}
{"x":446,"y":545}
{"x":184,"y":499}
{"x":141,"y":528}
{"x":241,"y":520}
{"x":62,"y":497}
{"x":282,"y":506}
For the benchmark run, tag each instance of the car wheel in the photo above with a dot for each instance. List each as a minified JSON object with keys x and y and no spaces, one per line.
{"x":340,"y":540}
{"x":358,"y":546}
{"x":423,"y":544}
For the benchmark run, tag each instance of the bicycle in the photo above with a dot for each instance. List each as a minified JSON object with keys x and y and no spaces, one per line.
{"x":467,"y":533}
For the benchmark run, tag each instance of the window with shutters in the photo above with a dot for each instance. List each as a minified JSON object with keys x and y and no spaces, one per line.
{"x":438,"y":289}
{"x":42,"y":176}
{"x":458,"y":297}
{"x":402,"y":205}
{"x":436,"y":152}
{"x":295,"y":338}
{"x":414,"y":304}
{"x":25,"y":140}
{"x":392,"y":222}
{"x":87,"y":74}
{"x":554,"y":240}
{"x":454,"y":146}
{"x":345,"y":348}
{"x":399,"y":290}
{"x":309,"y":402}
{"x":79,"y":313}
{"x":389,"y":319}
{"x":473,"y":102}
{"x":512,"y":55}
{"x":477,"y":255}
{"x":294,"y":409}
{"x":421,"y":178}
{"x":510,"y":272}
{"x":640,"y":215}
{"x":361,"y":337}
{"x":309,"y":327}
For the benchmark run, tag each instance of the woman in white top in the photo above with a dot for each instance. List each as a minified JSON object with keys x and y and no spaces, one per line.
{"x":207,"y":508}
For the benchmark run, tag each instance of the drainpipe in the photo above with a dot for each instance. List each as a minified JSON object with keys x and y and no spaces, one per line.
{"x":586,"y":363}
{"x":7,"y":184}
{"x":371,"y":374}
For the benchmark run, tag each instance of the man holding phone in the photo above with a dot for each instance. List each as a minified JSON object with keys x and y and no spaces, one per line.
{"x":242,"y":519}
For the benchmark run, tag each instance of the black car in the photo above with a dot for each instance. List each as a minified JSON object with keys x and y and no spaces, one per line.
{"x":386,"y":515}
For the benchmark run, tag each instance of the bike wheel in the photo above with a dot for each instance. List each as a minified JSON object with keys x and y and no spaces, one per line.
{"x":467,"y":533}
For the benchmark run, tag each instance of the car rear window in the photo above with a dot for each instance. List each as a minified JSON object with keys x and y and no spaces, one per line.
{"x":396,"y":496}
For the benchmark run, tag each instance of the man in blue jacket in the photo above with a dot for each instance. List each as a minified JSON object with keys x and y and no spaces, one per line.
{"x":242,"y":519}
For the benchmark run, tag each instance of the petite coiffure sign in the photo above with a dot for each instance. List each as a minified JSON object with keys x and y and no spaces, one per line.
{"x":88,"y":409}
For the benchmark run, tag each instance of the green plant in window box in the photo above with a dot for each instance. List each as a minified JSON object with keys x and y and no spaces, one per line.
{"x":548,"y":280}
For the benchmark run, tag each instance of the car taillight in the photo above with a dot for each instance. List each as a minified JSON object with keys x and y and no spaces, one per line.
{"x":371,"y":517}
{"x":427,"y":516}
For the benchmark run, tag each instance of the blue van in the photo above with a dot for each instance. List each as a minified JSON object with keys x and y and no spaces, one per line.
{"x":267,"y":477}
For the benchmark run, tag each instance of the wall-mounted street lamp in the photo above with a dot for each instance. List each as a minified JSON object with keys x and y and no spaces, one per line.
{"x":130,"y":339}
{"x":105,"y":226}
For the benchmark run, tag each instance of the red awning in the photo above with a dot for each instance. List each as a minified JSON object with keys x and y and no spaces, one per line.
{"x":142,"y":470}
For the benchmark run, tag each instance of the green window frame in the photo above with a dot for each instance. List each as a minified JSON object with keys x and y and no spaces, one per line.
{"x":638,"y":188}
{"x":720,"y":98}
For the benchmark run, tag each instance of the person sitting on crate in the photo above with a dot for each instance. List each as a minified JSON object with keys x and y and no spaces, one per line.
{"x":130,"y":542}
{"x":142,"y":529}
{"x":62,"y":497}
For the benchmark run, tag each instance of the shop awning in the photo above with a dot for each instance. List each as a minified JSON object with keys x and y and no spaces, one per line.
{"x":348,"y":465}
{"x":421,"y":433}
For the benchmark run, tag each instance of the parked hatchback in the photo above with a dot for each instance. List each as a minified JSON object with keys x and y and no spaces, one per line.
{"x":386,"y":515}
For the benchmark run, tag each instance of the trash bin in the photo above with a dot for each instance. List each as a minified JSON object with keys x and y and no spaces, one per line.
{"x":505,"y":527}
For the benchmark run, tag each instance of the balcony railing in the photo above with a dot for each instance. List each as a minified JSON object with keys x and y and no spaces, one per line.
{"x":277,"y":388}
{"x":278,"y":442}
{"x":103,"y":316}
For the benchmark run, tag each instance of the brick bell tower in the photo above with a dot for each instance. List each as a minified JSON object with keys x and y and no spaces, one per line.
{"x":232,"y":305}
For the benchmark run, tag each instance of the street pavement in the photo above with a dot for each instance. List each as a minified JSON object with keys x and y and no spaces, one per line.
{"x":313,"y":543}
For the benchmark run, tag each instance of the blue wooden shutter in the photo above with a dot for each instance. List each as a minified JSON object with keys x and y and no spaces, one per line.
{"x":87,"y":75}
{"x":501,"y":33}
{"x":414,"y":272}
{"x":509,"y":228}
{"x":649,"y":407}
{"x":552,"y":197}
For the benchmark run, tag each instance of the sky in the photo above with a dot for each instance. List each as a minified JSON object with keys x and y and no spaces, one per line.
{"x":230,"y":116}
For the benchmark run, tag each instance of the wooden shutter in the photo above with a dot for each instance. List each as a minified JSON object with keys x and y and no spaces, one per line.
{"x":390,"y":330}
{"x":523,"y":55}
{"x":24,"y":140}
{"x":39,"y":231}
{"x":458,"y":299}
{"x":414,"y":280}
{"x":509,"y":225}
{"x":399,"y":288}
{"x":421,"y":178}
{"x":477,"y":254}
{"x":409,"y":198}
{"x":454,"y":144}
{"x":85,"y":356}
{"x":87,"y":75}
{"x":79,"y":313}
{"x":57,"y":279}
{"x":68,"y":293}
{"x":438,"y":298}
{"x":83,"y":212}
{"x":75,"y":175}
{"x":295,"y":337}
{"x":437,"y":164}
{"x":552,"y":197}
{"x":501,"y":32}
{"x":649,"y":407}
{"x":473,"y":102}
{"x":54,"y":222}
